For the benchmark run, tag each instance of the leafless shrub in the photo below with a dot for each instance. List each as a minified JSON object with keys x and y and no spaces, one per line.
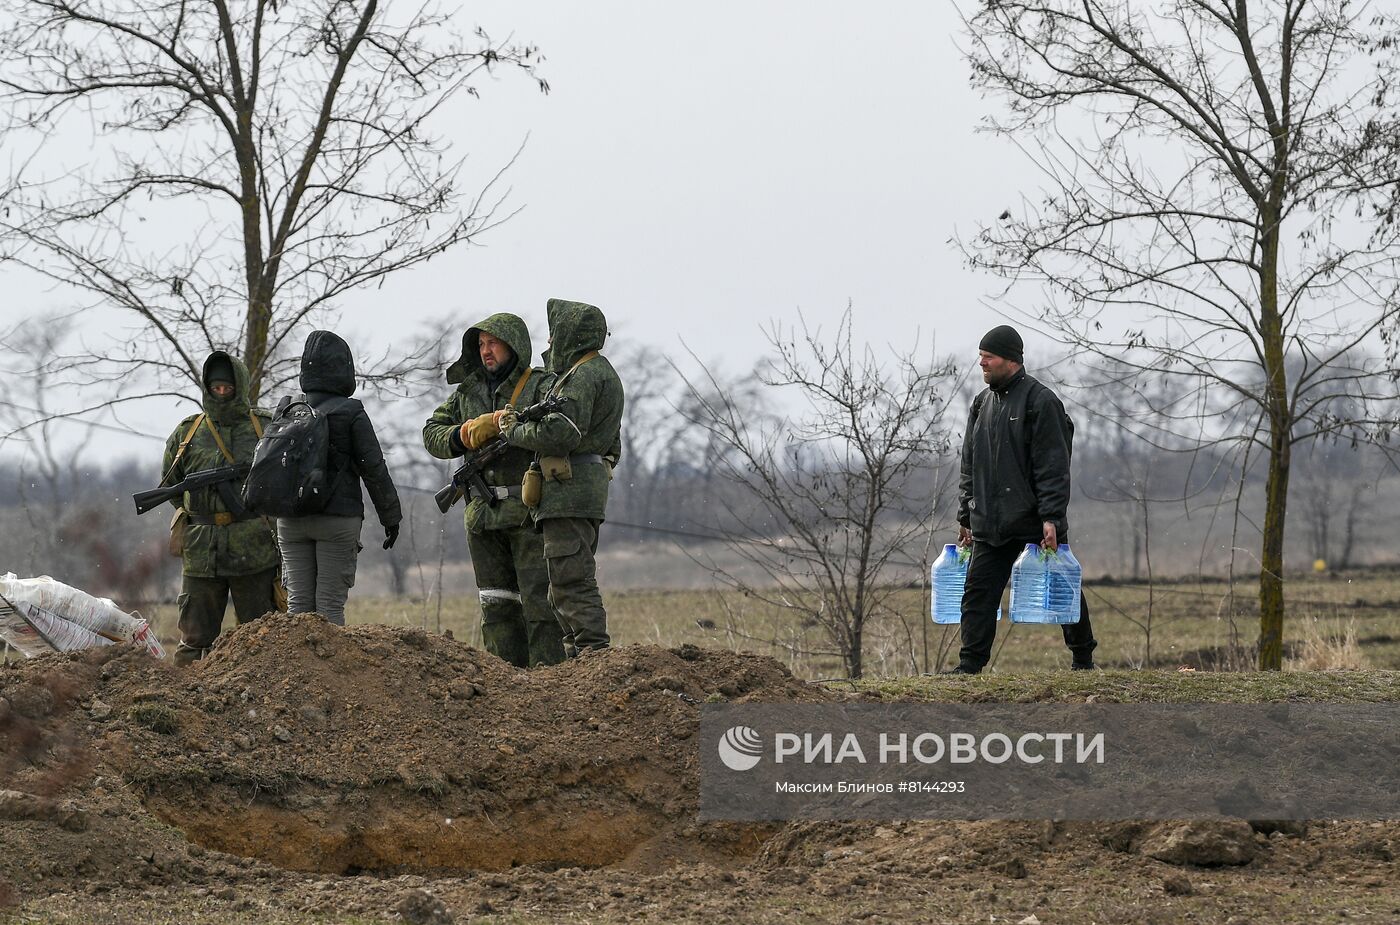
{"x":836,"y":495}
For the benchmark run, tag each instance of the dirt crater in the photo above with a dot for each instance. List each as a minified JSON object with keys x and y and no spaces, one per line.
{"x":317,"y":748}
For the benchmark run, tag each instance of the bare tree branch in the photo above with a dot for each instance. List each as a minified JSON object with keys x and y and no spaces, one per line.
{"x":248,"y":165}
{"x":1191,"y":225}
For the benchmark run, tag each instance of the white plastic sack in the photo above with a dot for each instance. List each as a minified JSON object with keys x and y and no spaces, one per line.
{"x":41,"y":615}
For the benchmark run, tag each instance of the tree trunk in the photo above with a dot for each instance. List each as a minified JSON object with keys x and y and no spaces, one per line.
{"x":255,"y":344}
{"x":1271,"y":557}
{"x":1137,"y":551}
{"x":398,"y":575}
{"x":854,"y":667}
{"x":1280,"y":453}
{"x":1349,"y":536}
{"x":1147,"y":549}
{"x":259,"y":317}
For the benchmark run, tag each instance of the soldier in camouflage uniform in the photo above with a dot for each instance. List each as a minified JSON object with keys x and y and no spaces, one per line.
{"x":517,"y":622}
{"x":223,"y":555}
{"x":577,"y":450}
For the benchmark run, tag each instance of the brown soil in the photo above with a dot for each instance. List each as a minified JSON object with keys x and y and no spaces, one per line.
{"x":308,"y":770}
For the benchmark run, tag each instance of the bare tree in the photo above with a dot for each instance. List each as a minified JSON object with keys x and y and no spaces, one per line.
{"x":49,"y":478}
{"x":247,"y":164}
{"x":1336,"y":495}
{"x":1215,"y":208}
{"x":29,"y":353}
{"x":666,"y":461}
{"x":63,"y":494}
{"x":426,"y":531}
{"x":1131,"y":487}
{"x":657,"y":441}
{"x":835,"y":495}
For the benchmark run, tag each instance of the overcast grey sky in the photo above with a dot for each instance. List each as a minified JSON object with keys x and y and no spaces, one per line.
{"x":699,"y":170}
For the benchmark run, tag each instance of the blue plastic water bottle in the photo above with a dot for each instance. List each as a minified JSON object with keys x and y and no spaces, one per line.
{"x":1045,"y":587}
{"x":948,"y":576}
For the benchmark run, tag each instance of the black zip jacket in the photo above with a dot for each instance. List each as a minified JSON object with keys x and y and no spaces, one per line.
{"x":1015,"y":463}
{"x":328,"y":381}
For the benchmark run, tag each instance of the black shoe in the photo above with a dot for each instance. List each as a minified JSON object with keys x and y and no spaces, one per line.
{"x":1083,"y":666}
{"x":962,"y":669}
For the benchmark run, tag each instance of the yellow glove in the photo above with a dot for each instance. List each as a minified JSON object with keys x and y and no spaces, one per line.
{"x":478,"y":431}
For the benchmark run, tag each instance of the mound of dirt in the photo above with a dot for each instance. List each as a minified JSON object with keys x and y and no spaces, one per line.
{"x":317,"y":748}
{"x":306,"y":771}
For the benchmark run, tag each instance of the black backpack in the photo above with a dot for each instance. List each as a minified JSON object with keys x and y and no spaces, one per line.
{"x":291,"y":472}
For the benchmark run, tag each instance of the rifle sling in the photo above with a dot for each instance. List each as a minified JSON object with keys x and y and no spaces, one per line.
{"x":179,"y":454}
{"x":558,"y":386}
{"x":223,"y":448}
{"x":189,"y":438}
{"x":464,"y":483}
{"x":520,"y":386}
{"x":225,"y":491}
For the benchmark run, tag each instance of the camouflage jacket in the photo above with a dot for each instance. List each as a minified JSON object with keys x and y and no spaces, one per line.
{"x":477,"y":394}
{"x":212,"y":551}
{"x":591,"y":422}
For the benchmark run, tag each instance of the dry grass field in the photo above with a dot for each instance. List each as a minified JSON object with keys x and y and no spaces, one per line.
{"x":1335,"y":622}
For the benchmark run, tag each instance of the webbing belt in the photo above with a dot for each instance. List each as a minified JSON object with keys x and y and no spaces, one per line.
{"x":222,"y":519}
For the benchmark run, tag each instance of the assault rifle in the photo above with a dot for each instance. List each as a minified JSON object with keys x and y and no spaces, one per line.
{"x":222,"y":478}
{"x":469,"y":479}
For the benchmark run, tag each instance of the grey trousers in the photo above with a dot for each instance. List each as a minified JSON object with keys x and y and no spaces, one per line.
{"x":318,"y":562}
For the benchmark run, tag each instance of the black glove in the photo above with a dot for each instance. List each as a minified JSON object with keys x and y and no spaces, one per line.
{"x":391,"y":535}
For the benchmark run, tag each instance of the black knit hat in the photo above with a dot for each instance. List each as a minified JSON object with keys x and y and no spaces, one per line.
{"x":1005,"y":342}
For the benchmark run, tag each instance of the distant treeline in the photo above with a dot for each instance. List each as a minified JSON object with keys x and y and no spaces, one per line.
{"x":1136,"y":510}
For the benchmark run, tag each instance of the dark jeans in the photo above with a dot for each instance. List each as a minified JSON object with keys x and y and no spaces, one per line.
{"x":987,"y":576}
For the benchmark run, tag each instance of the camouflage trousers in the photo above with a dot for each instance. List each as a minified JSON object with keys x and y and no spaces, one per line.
{"x":202,"y":602}
{"x":517,"y":622}
{"x":570,"y":544}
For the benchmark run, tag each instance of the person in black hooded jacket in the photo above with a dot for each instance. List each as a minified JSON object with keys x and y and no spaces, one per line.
{"x":319,"y":551}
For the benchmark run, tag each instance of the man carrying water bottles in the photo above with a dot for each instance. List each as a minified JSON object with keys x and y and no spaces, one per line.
{"x":1014,"y":490}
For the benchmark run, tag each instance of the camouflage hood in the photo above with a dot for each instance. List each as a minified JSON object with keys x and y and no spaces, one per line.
{"x":575,"y":328}
{"x":327,"y":365}
{"x":226,"y":410}
{"x":502,"y":326}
